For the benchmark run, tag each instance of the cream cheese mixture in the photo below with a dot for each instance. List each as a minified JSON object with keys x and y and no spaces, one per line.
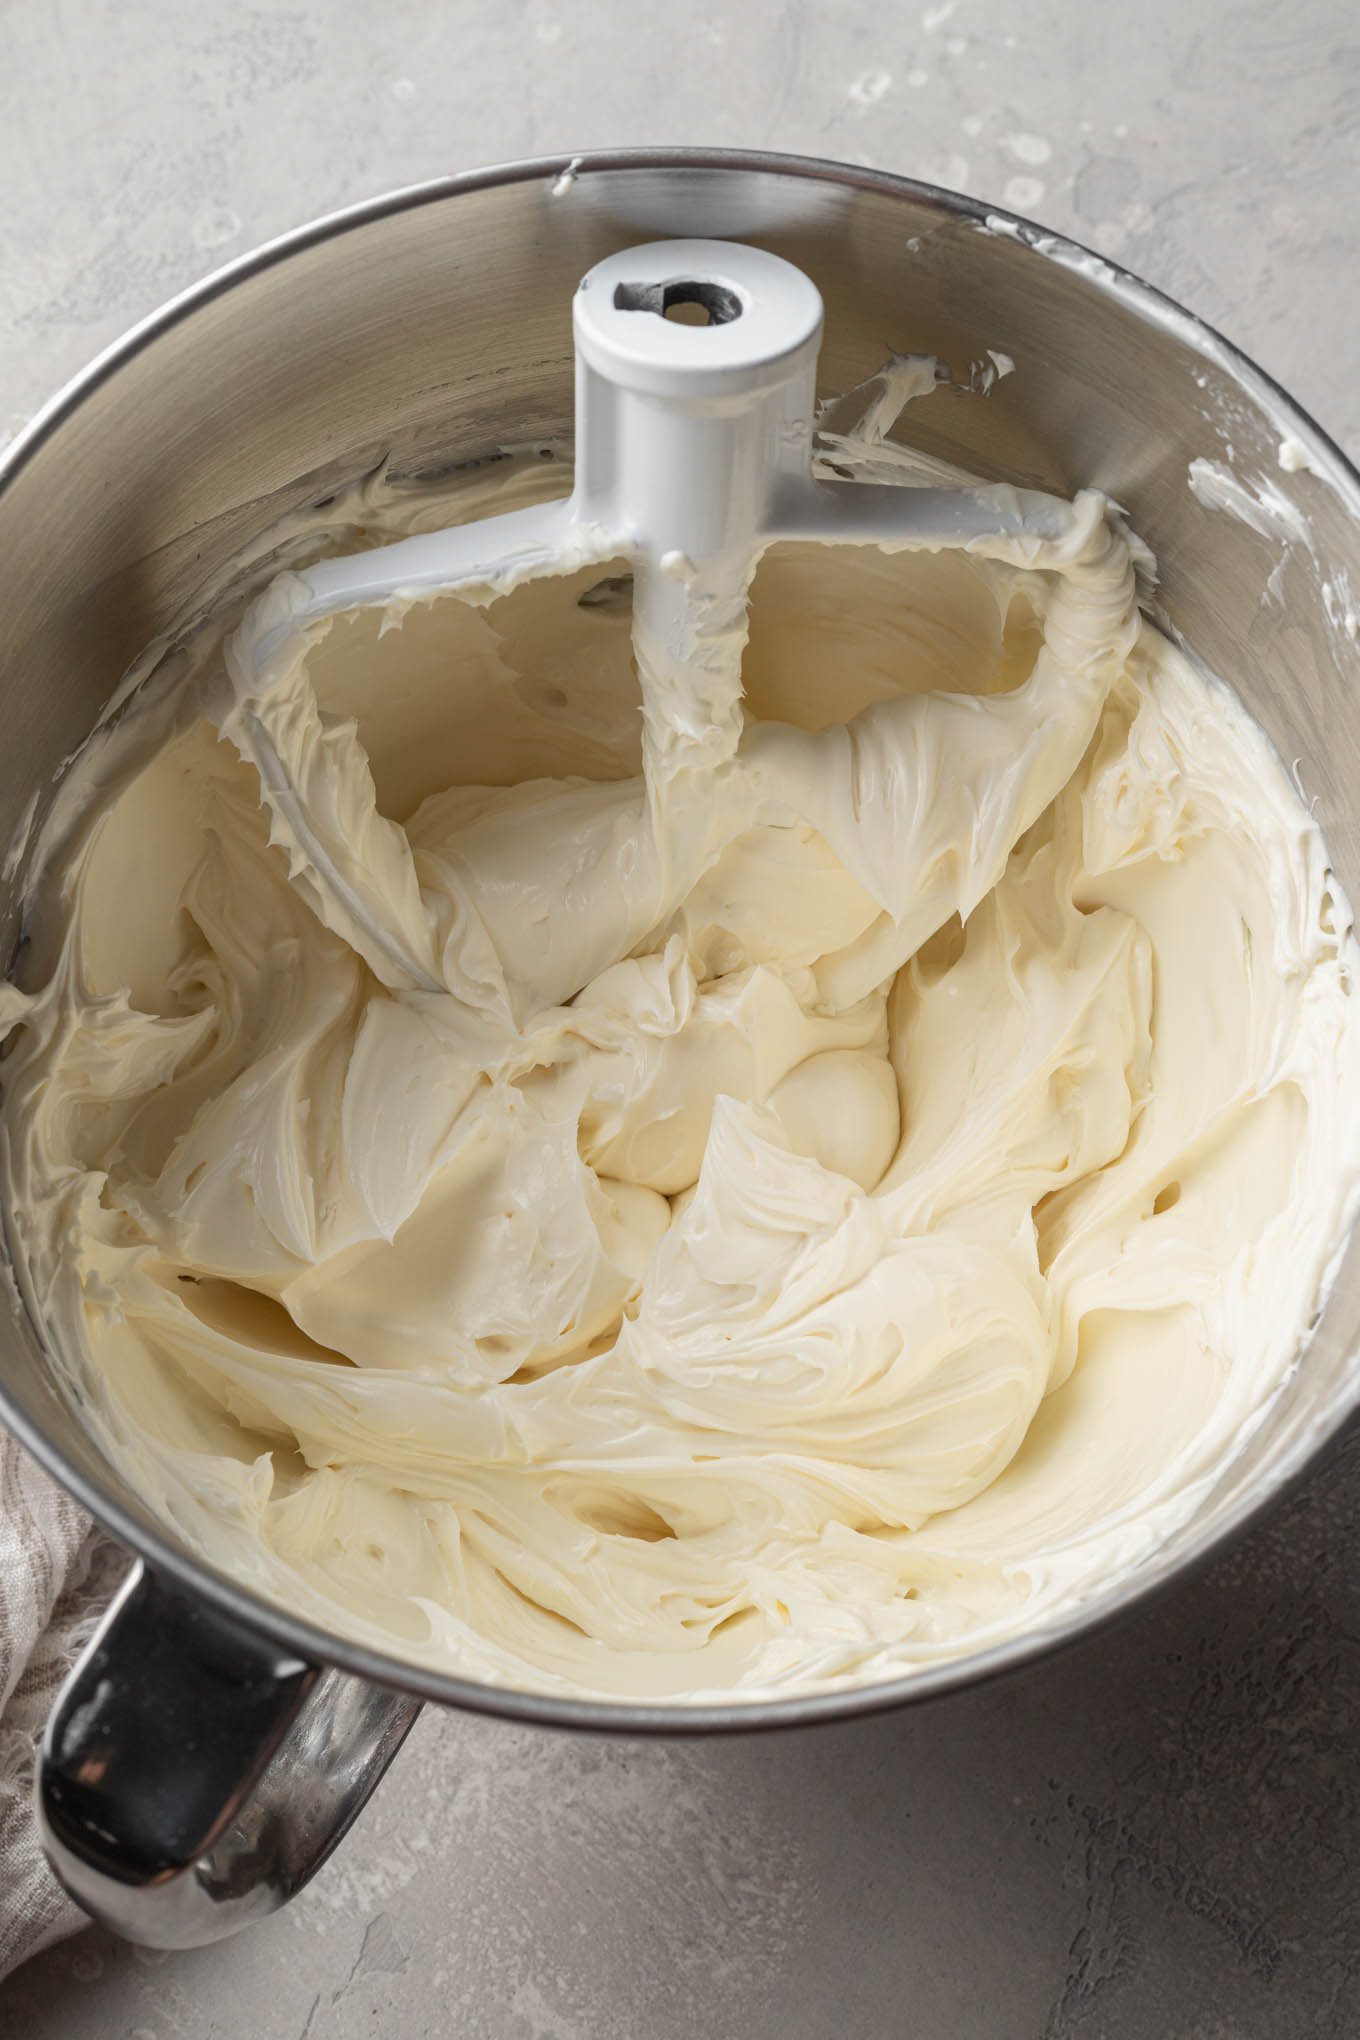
{"x":850,"y":1200}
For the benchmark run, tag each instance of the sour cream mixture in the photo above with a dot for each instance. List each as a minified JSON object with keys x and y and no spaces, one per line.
{"x":850,"y":1201}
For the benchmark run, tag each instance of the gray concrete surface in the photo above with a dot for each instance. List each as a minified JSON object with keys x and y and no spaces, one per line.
{"x":1155,"y":1836}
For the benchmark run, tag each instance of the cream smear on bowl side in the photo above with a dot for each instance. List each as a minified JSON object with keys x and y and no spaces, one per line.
{"x":848,"y":1204}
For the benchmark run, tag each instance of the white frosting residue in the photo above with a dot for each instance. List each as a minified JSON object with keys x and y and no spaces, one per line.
{"x":566,"y":178}
{"x":1257,"y":503}
{"x":846,"y":1206}
{"x":1295,"y":458}
{"x":1339,"y":605}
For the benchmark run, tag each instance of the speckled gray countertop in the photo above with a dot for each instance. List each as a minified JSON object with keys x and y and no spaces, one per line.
{"x":1156,"y":1836}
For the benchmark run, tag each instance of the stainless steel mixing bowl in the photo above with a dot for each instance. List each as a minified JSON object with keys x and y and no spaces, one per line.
{"x":211,"y":1748}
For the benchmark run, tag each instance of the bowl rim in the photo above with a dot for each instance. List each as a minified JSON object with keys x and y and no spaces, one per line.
{"x":237,"y":1602}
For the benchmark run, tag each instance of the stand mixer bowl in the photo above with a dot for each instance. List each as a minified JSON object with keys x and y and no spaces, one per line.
{"x":211,"y":1748}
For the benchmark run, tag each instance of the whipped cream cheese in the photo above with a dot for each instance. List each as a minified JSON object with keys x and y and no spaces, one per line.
{"x":851,"y":1198}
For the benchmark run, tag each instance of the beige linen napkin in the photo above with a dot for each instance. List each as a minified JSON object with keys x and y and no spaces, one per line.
{"x":57,"y":1573}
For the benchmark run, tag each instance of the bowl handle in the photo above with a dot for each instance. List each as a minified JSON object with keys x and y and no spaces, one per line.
{"x":194,"y":1774}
